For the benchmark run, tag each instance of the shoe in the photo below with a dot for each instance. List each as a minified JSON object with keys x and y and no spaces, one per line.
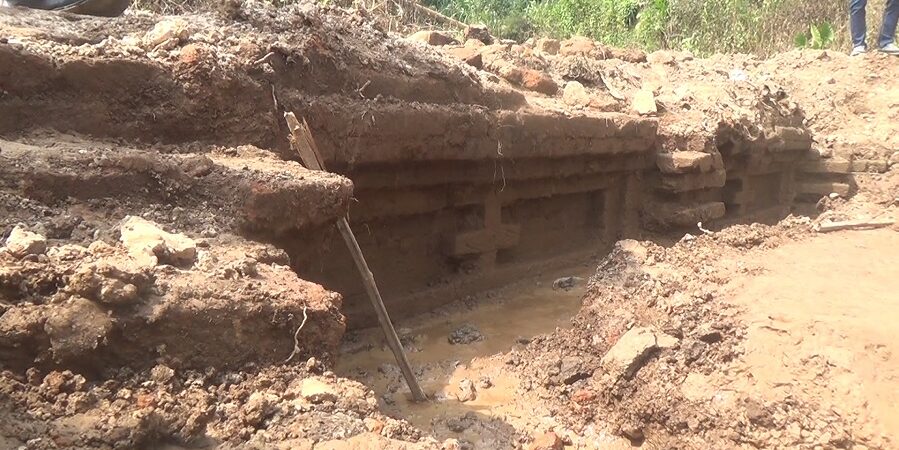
{"x":890,"y":49}
{"x":859,"y":50}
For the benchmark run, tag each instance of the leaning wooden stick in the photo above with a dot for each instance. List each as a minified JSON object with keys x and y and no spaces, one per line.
{"x":302,"y":142}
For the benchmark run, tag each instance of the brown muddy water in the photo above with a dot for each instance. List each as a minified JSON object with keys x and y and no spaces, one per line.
{"x":506,"y":318}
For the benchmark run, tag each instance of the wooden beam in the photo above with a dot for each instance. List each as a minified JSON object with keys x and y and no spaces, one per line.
{"x":853,"y":225}
{"x":302,"y":141}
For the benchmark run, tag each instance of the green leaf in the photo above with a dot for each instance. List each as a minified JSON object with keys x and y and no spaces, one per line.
{"x":801,"y":40}
{"x":816,"y":37}
{"x":827,"y":34}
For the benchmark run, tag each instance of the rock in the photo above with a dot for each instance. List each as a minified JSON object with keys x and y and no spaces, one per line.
{"x":644,"y":103}
{"x":573,"y":369}
{"x":575,"y":94}
{"x":578,"y":45}
{"x":474,"y":43}
{"x":22,"y":243}
{"x":626,"y":357}
{"x":468,"y":55}
{"x":665,"y":341}
{"x":485,"y":382}
{"x":76,"y":328}
{"x":478,"y":32}
{"x":167,"y":34}
{"x":632,"y":432}
{"x":150,"y":245}
{"x":661,"y":57}
{"x":567,"y":283}
{"x":685,"y":161}
{"x":465,"y":334}
{"x":548,"y":46}
{"x":538,"y":81}
{"x":161,"y":373}
{"x":373,"y":425}
{"x":583,"y":396}
{"x":117,"y":292}
{"x":547,"y":441}
{"x":258,"y":408}
{"x":461,"y":423}
{"x":432,"y":38}
{"x":467,"y":391}
{"x":708,"y":334}
{"x":192,"y":54}
{"x":316,"y":391}
{"x":451,"y":444}
{"x":893,"y":160}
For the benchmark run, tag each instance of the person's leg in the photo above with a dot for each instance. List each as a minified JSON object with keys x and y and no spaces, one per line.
{"x":890,"y":19}
{"x":857,"y":24}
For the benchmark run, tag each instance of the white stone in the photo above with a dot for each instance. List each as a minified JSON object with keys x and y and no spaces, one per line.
{"x":317,"y":391}
{"x":22,"y":243}
{"x":629,"y":353}
{"x":645,"y":103}
{"x":149,"y":244}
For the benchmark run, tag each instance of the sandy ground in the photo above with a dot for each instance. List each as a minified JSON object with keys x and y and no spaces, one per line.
{"x":822,"y":316}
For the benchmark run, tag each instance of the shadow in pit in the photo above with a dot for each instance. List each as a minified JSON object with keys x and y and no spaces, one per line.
{"x":494,"y":415}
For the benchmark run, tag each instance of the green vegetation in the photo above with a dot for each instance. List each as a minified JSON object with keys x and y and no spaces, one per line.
{"x":702,"y":26}
{"x":819,"y":37}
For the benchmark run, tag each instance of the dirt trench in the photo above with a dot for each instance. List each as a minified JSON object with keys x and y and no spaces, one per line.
{"x":457,"y":180}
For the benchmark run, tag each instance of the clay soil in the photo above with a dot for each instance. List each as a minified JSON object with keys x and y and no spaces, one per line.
{"x":196,"y":331}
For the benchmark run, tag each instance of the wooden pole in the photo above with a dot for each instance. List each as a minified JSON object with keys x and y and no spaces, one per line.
{"x":303,"y":143}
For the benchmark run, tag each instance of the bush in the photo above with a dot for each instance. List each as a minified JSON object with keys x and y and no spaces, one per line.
{"x":702,"y":26}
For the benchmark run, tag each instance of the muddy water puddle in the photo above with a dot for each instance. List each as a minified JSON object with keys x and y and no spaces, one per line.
{"x":484,"y":330}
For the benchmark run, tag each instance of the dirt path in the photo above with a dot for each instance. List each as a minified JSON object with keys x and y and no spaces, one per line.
{"x":822,"y":321}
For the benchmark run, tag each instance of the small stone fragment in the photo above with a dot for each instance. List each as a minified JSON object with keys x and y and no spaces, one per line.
{"x":467,"y":391}
{"x":117,"y":292}
{"x":465,"y":334}
{"x":168,"y":33}
{"x":161,"y":373}
{"x":567,"y":283}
